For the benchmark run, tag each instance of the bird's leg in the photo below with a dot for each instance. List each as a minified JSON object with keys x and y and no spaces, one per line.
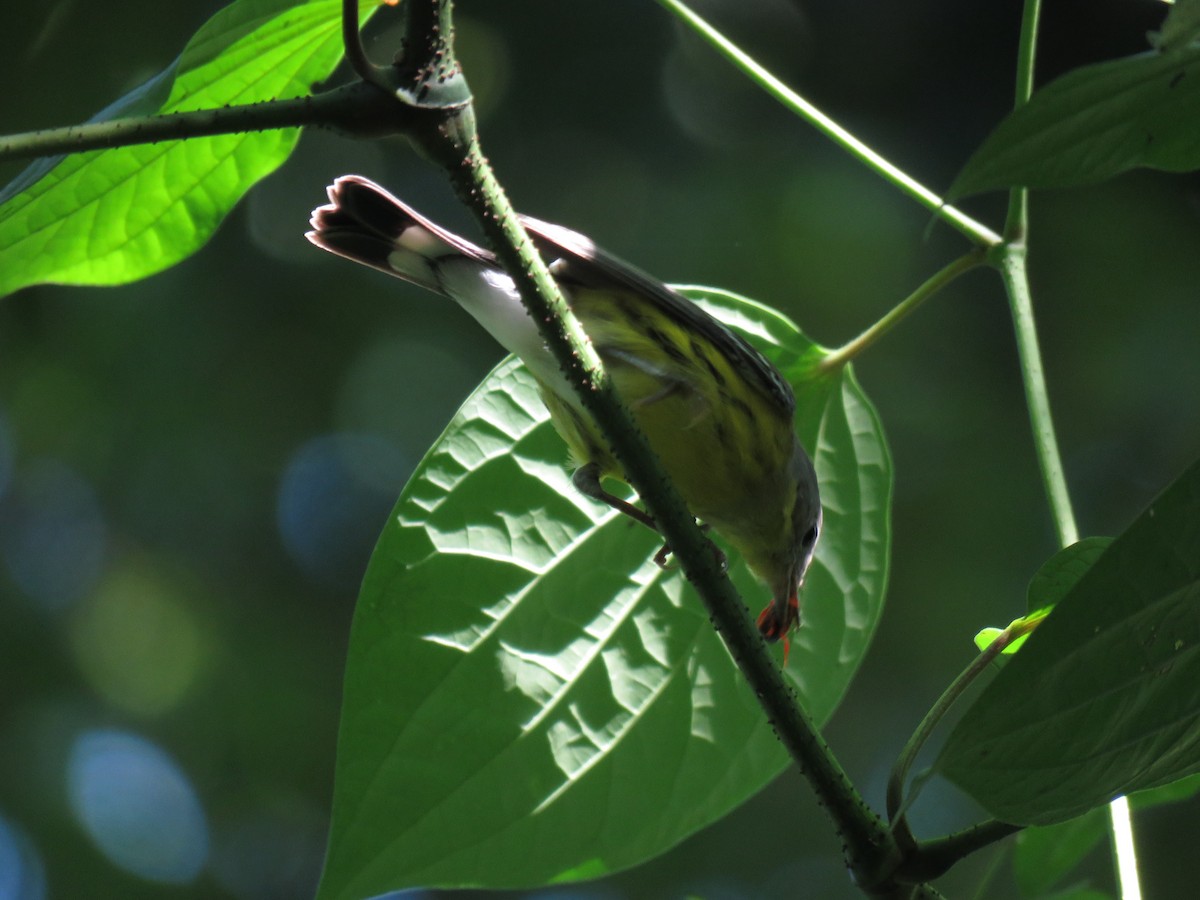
{"x":587,"y":481}
{"x":660,"y":558}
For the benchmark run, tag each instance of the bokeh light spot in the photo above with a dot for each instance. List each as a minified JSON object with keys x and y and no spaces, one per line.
{"x":52,"y":534}
{"x":334,"y":497}
{"x":275,"y":850}
{"x":380,"y":395}
{"x":137,"y":806}
{"x":137,"y":640}
{"x":22,"y":874}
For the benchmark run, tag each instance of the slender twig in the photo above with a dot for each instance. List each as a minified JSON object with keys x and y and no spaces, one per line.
{"x":1013,"y":271}
{"x":938,"y":856}
{"x":976,"y":231}
{"x":355,"y":110}
{"x":929,"y":859}
{"x":353,"y":48}
{"x":896,"y":801}
{"x":1018,"y":200}
{"x":848,"y":351}
{"x":1016,"y":283}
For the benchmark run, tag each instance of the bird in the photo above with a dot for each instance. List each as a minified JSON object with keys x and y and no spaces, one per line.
{"x":716,"y":412}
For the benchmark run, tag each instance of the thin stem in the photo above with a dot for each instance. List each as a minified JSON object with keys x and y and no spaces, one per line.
{"x":934,"y":858}
{"x":1016,"y":283}
{"x":1013,"y":270}
{"x":356,"y":55}
{"x":351,"y":109}
{"x":896,"y":801}
{"x":1018,"y":200}
{"x":848,"y":351}
{"x":974,"y":230}
{"x":870,"y":850}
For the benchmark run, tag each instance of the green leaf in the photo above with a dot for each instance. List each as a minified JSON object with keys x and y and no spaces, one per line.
{"x":1180,"y":28}
{"x":1101,"y":701}
{"x":528,"y":698}
{"x":987,"y":636}
{"x":1077,"y":893}
{"x":113,"y":216}
{"x":1094,"y":123}
{"x":1183,"y":789}
{"x":1062,"y":571}
{"x":1046,"y":855}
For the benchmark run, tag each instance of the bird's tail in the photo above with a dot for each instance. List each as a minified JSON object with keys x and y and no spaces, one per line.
{"x":365,"y":223}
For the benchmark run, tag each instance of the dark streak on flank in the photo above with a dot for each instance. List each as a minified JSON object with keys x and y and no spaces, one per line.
{"x":666,"y":345}
{"x":699,"y":352}
{"x":741,"y":405}
{"x":722,"y":434}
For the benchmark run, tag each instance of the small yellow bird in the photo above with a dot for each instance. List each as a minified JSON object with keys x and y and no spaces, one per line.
{"x":716,"y":412}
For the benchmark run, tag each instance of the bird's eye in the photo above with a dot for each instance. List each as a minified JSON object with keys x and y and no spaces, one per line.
{"x":810,"y":537}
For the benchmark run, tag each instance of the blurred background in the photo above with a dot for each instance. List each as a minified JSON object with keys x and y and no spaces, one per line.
{"x":193,"y":469}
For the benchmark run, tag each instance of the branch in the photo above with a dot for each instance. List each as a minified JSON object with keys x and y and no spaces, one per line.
{"x":381,"y":104}
{"x":870,"y":851}
{"x":1018,"y":198}
{"x":355,"y":110}
{"x":353,"y":47}
{"x":936,"y":857}
{"x":1016,"y":283}
{"x":940,"y":279}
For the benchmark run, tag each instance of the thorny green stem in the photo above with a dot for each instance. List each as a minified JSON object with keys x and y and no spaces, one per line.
{"x":355,"y":109}
{"x":1018,"y":201}
{"x":936,"y":857}
{"x":870,"y":850}
{"x":353,"y":47}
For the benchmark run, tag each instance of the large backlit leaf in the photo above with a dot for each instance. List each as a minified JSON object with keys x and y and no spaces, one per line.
{"x":1102,"y":699}
{"x":1094,"y":123}
{"x":112,"y":216}
{"x":1047,"y":854}
{"x":529,"y":698}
